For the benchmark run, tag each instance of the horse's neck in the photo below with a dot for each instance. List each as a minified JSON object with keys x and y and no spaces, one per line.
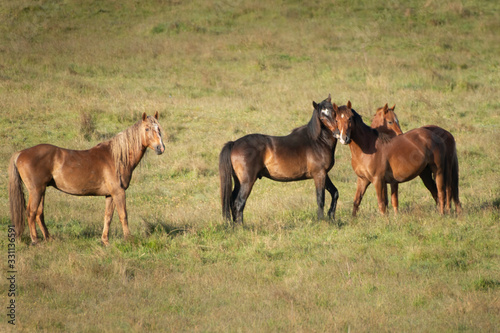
{"x":126,"y":170}
{"x":327,"y":137}
{"x":377,"y":121}
{"x":363,"y":138}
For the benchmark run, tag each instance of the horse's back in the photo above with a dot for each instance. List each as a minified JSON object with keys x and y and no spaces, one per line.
{"x":281,"y":158}
{"x":78,"y":172}
{"x":410,"y":153}
{"x":446,"y":137}
{"x":40,"y":157}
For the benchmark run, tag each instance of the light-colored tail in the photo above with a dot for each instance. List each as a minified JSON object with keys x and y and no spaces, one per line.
{"x":16,"y":197}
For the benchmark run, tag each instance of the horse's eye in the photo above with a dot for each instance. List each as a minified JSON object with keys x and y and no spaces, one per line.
{"x":147,"y":129}
{"x":389,"y":122}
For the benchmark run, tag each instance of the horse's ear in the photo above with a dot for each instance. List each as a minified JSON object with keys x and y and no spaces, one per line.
{"x":386,"y":108}
{"x":335,"y":107}
{"x":315,"y":105}
{"x":144,"y":116}
{"x":329,"y":99}
{"x":348,"y":104}
{"x":156,"y":115}
{"x":393,"y":107}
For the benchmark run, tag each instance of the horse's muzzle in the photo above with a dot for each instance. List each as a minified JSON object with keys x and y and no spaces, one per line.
{"x":344,"y":139}
{"x":160,"y":149}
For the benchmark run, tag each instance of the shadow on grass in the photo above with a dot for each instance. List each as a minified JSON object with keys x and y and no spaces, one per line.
{"x":156,"y":226}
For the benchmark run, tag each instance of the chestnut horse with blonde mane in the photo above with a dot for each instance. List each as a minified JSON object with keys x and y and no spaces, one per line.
{"x":104,"y":170}
{"x":381,"y":158}
{"x":385,"y":119}
{"x":307,"y":152}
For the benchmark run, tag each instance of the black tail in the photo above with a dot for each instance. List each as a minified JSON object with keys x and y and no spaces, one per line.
{"x":226,"y":183}
{"x":454,"y":182}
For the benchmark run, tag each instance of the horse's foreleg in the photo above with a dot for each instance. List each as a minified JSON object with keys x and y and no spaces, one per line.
{"x":40,"y":219}
{"x":121,"y":208}
{"x":319,"y":182}
{"x":335,"y":196}
{"x":108,"y":216}
{"x":381,"y":189}
{"x":394,"y":197}
{"x":361,"y":187}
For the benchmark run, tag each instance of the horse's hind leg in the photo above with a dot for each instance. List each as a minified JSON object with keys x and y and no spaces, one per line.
{"x":335,"y":196}
{"x":441,"y":188}
{"x":108,"y":216}
{"x":426,"y":177}
{"x":234,"y":195}
{"x":394,"y":197}
{"x":40,"y":219}
{"x":241,"y":199}
{"x":35,"y":197}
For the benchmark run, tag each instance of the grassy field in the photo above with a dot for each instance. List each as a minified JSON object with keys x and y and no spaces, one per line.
{"x":74,"y":73}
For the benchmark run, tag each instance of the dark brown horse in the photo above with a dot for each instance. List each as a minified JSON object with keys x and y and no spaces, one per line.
{"x":379,"y":158}
{"x":385,"y":119}
{"x":105,"y":170}
{"x":307,"y":152}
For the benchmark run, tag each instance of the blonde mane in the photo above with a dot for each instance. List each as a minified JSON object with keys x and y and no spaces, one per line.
{"x":124,"y":145}
{"x":127,"y":144}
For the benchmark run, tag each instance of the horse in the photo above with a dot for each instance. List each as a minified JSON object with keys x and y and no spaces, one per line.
{"x":307,"y":152}
{"x":104,"y":170}
{"x":385,"y":119}
{"x":381,"y":158}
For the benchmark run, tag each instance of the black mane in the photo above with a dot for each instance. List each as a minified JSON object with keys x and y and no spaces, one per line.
{"x":383,"y":135}
{"x":315,"y":126}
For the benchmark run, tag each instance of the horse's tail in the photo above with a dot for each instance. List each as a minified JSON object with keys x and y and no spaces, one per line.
{"x":225,"y":174}
{"x":455,"y":180}
{"x":16,"y":196}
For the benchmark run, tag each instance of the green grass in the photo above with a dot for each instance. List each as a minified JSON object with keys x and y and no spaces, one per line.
{"x":73,"y":74}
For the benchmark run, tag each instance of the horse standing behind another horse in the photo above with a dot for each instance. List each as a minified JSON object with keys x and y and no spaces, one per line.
{"x":104,"y":170}
{"x":380,"y":158}
{"x":385,"y":120}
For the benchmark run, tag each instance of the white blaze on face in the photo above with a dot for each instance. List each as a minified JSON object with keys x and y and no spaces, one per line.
{"x":326,"y":112}
{"x":341,"y":136}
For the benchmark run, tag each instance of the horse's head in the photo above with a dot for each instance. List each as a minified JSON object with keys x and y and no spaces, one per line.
{"x":152,"y":133}
{"x":325,"y":113}
{"x":344,"y":122}
{"x":386,"y":118}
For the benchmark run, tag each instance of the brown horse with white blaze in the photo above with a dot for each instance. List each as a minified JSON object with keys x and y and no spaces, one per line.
{"x":385,"y":119}
{"x":307,"y":152}
{"x":104,"y":170}
{"x":379,"y":158}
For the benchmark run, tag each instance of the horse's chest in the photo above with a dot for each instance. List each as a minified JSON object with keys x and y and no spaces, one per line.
{"x":366,"y":167}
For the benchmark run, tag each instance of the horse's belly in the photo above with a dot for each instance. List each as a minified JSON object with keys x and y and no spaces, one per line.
{"x":78,"y":185}
{"x":405,"y":167}
{"x":404,"y":174}
{"x":284,"y":174}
